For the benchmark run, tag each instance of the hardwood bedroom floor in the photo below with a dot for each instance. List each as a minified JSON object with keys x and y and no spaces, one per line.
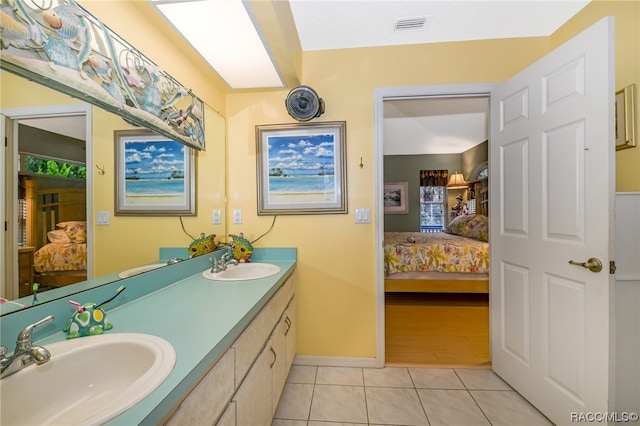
{"x":437,"y":329}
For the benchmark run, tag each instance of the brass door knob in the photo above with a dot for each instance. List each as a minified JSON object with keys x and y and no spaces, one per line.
{"x":593,"y":264}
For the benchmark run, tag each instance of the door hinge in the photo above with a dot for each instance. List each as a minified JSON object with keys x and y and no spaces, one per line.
{"x":612,"y":267}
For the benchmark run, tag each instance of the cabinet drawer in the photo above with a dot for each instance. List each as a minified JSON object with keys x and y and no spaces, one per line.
{"x":210,"y":396}
{"x":252,"y":339}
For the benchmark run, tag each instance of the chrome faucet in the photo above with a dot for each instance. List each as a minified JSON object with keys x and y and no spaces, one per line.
{"x":25,"y":353}
{"x":221,"y":265}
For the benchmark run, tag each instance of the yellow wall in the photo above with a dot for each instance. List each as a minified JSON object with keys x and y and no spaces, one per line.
{"x":141,"y":236}
{"x":336,"y":273}
{"x":133,"y":241}
{"x":137,"y":23}
{"x":336,"y":290}
{"x":627,"y":17}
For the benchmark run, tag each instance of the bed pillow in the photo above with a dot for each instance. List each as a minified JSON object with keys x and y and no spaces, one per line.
{"x":479,"y":226}
{"x":470,"y":226}
{"x":458,"y":226}
{"x":76,"y":230}
{"x":58,"y":236}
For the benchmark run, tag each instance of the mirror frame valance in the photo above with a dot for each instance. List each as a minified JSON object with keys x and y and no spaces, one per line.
{"x":64,"y":47}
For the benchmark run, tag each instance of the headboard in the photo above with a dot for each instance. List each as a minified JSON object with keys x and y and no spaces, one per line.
{"x":47,"y":207}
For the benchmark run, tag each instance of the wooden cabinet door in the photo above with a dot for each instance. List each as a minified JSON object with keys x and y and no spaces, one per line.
{"x":279,"y":368}
{"x":254,"y":397}
{"x":291,"y":330}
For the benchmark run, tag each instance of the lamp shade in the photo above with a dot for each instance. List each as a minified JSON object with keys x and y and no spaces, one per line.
{"x":456,"y":181}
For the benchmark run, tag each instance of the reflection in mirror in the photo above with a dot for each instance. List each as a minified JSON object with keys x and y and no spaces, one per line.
{"x":120,"y":244}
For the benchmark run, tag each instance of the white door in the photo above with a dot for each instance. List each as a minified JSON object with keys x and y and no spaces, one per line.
{"x":552,"y":163}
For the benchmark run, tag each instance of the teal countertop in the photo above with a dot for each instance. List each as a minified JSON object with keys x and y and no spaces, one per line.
{"x":201,"y":318}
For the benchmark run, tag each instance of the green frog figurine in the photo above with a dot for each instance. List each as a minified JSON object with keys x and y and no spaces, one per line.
{"x":89,"y":319}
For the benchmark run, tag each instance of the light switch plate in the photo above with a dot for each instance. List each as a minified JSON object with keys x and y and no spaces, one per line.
{"x":215,"y":217}
{"x":237,"y":216}
{"x":102,"y":218}
{"x":363,"y":216}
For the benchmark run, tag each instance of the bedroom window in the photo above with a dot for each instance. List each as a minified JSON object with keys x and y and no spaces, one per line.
{"x":433,"y":200}
{"x":22,"y":222}
{"x":58,"y":168}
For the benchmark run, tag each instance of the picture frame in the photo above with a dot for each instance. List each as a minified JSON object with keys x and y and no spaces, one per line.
{"x":395,"y":198}
{"x":155,"y":175}
{"x":625,"y":118}
{"x":301,"y":168}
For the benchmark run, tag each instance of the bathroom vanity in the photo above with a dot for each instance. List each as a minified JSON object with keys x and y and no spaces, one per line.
{"x":234,"y":341}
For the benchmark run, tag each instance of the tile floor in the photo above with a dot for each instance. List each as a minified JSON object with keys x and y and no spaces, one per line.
{"x":333,"y":396}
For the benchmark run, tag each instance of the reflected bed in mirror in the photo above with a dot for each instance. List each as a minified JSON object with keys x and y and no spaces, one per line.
{"x":126,"y":242}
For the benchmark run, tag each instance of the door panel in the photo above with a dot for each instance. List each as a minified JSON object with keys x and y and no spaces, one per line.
{"x":551,"y":157}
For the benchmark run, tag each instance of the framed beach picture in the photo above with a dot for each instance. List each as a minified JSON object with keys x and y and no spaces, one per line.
{"x":154,"y":175}
{"x":625,"y":118}
{"x":301,"y":168}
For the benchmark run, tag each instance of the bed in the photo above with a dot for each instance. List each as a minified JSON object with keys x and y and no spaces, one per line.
{"x":454,"y":261}
{"x":57,"y":229}
{"x":437,"y":295}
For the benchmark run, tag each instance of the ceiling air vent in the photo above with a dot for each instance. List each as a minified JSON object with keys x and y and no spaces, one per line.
{"x":405,"y":24}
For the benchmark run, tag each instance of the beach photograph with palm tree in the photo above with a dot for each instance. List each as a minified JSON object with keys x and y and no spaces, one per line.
{"x":302,"y":168}
{"x":155,"y":174}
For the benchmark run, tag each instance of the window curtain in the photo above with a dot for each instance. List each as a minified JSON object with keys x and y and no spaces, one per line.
{"x":434,"y":177}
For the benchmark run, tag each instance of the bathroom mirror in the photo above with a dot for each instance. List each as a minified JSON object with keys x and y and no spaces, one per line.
{"x":125,"y":242}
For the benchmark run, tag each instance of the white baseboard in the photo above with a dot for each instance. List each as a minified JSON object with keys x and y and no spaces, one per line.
{"x":333,"y":361}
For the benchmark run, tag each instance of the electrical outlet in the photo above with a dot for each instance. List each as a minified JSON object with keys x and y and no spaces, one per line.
{"x":215,"y":217}
{"x":237,"y":216}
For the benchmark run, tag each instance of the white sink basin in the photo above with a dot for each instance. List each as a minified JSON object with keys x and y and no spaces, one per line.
{"x":88,"y":380}
{"x":243,"y":271}
{"x":140,"y":269}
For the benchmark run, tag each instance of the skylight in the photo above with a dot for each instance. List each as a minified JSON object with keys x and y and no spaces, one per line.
{"x":225,"y":36}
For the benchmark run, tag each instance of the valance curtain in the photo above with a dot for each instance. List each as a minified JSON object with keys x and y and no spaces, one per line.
{"x":434,"y":177}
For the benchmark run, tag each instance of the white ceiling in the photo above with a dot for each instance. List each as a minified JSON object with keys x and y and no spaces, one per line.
{"x":427,"y":126}
{"x":73,"y":126}
{"x":434,"y":125}
{"x":338,"y":24}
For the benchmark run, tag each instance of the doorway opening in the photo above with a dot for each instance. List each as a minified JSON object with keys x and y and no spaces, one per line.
{"x":426,"y":308}
{"x":46,"y":197}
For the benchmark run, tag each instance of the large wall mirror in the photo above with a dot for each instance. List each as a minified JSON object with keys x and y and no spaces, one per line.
{"x":48,"y":129}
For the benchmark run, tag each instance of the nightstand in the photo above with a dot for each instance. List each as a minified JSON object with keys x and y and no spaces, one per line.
{"x":25,"y":271}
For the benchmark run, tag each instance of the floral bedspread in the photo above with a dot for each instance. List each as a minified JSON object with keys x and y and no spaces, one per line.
{"x":434,"y":252}
{"x":61,"y":257}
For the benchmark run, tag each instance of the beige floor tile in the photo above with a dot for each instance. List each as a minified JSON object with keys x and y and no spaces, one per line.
{"x":481,"y":379}
{"x":284,"y":422}
{"x":350,"y":376}
{"x":508,"y":408}
{"x":395,"y":396}
{"x":339,"y":404}
{"x":451,"y":408}
{"x":435,"y":378}
{"x":395,"y":406}
{"x":302,"y":374}
{"x":389,"y":377}
{"x":295,"y":402}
